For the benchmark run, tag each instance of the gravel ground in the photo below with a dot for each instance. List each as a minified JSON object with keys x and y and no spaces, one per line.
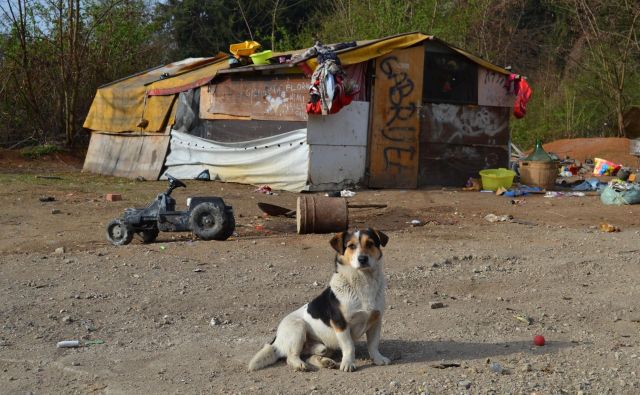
{"x":185,"y":316}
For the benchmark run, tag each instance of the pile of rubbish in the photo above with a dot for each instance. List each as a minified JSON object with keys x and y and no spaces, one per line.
{"x":544,"y":173}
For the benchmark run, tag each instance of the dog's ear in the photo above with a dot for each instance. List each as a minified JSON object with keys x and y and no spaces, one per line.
{"x":384,"y":239}
{"x":337,"y":242}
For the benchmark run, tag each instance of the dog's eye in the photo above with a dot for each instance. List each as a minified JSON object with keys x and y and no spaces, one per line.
{"x":351,"y":246}
{"x":369,"y":243}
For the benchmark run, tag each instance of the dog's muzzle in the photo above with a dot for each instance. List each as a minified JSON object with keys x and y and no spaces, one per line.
{"x":363,"y":260}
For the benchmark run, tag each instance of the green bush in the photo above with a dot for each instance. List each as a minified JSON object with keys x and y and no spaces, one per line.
{"x":39,"y":151}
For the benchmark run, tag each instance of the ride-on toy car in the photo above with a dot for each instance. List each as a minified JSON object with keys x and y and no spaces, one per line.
{"x":208,"y":217}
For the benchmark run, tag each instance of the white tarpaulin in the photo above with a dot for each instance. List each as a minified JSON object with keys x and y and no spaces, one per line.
{"x":281,"y":161}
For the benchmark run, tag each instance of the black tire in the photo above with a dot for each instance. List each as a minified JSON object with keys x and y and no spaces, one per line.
{"x":230,"y":228}
{"x":209,"y":221}
{"x":118,"y":233}
{"x":149,"y":235}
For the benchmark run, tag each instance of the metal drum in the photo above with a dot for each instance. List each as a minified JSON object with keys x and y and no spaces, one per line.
{"x":321,"y":215}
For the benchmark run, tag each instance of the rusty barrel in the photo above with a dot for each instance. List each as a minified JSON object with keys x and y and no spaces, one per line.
{"x":316,"y":214}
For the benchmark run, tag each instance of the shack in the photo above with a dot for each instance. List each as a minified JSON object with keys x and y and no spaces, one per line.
{"x":427,"y":113}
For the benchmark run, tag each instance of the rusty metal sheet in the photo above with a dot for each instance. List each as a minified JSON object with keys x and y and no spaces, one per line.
{"x":491,"y":90}
{"x":271,"y":97}
{"x":126,"y":154}
{"x":395,"y":126}
{"x":457,"y":141}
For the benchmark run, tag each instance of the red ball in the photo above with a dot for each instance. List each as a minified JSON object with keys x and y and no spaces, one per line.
{"x":538,"y":340}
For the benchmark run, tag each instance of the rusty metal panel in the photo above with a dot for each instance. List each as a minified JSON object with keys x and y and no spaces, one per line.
{"x":395,"y":126}
{"x":127,"y":155}
{"x":457,"y":141}
{"x":271,"y":97}
{"x":491,"y":90}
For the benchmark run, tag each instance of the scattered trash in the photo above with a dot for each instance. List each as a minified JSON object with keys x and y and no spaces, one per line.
{"x":332,"y":194}
{"x":55,"y":211}
{"x":198,"y":270}
{"x":140,"y":179}
{"x":501,"y":191}
{"x":266,"y":189}
{"x":415,"y":222}
{"x":47,"y":199}
{"x":347,"y":193}
{"x":523,"y":318}
{"x":436,"y":305}
{"x":608,"y":228}
{"x":204,"y":175}
{"x":113,"y":197}
{"x":59,"y":250}
{"x":93,"y":342}
{"x":446,"y":365}
{"x":466,"y":384}
{"x":473,"y":184}
{"x":592,"y":184}
{"x":496,"y":218}
{"x":162,"y":248}
{"x":555,"y":194}
{"x":496,"y":368}
{"x":604,"y":167}
{"x":259,"y":228}
{"x":68,"y":344}
{"x":276,"y":211}
{"x":538,"y":340}
{"x":518,"y":202}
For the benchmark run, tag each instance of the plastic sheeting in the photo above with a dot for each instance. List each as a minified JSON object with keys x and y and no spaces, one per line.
{"x":281,"y":161}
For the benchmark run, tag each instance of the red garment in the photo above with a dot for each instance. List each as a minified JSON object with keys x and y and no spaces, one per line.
{"x":524,"y":94}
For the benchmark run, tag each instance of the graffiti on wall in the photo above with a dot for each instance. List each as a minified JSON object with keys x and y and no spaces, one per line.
{"x":400,"y":127}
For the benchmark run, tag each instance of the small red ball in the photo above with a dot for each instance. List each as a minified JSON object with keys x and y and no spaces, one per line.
{"x":538,"y":340}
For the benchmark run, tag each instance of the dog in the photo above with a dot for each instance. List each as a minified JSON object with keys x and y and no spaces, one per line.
{"x":351,"y":306}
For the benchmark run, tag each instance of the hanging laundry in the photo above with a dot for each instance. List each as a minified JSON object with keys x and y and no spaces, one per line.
{"x":519,"y":86}
{"x":328,"y":91}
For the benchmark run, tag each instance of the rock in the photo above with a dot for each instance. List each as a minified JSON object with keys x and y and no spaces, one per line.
{"x":67,"y":319}
{"x":466,"y":384}
{"x":394,"y":384}
{"x":525,"y":367}
{"x":214,"y":322}
{"x":59,"y":250}
{"x":436,"y":305}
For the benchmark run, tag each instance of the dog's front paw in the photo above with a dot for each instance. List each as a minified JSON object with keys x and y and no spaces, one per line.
{"x":381,"y":360}
{"x":348,"y":366}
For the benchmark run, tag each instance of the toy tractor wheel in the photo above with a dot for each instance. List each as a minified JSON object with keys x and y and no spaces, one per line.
{"x":118,"y":233}
{"x":231,"y":226}
{"x":149,"y":235}
{"x":209,"y":221}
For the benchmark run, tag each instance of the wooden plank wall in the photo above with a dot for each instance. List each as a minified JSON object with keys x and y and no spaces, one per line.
{"x":126,"y":154}
{"x":268,"y":97}
{"x":395,"y":125}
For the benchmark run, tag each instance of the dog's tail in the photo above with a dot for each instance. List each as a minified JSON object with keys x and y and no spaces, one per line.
{"x":268,"y":355}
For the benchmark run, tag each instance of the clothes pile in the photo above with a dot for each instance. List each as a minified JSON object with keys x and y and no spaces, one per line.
{"x":329,"y":90}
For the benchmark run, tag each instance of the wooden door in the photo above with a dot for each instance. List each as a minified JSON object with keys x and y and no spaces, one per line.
{"x":395,"y":124}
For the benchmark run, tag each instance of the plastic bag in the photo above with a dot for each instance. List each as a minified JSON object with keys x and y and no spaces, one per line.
{"x":615,"y":196}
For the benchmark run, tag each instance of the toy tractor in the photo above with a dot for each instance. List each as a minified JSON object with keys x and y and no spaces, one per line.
{"x":209,"y":218}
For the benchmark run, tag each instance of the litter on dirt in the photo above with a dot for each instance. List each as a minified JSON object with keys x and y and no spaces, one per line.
{"x":608,"y":228}
{"x":498,"y":218}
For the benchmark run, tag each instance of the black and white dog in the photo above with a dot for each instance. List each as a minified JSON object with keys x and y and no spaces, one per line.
{"x":352,"y":306}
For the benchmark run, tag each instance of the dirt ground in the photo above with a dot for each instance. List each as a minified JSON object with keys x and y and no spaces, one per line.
{"x":153,"y":305}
